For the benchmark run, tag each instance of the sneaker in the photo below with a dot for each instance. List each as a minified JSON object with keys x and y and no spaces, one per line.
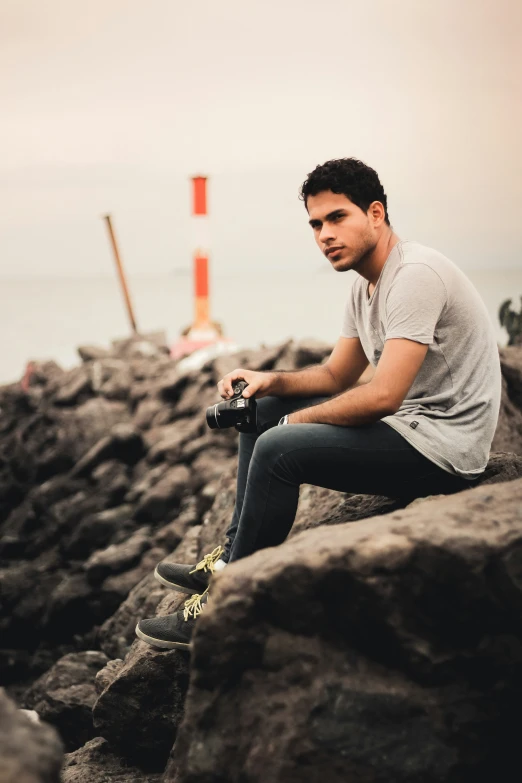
{"x":173,"y":631}
{"x":189,"y":578}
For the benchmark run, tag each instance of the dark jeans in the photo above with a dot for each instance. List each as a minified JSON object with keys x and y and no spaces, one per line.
{"x":372,"y":459}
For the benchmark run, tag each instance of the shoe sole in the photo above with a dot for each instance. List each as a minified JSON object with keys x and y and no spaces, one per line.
{"x":179,"y":588}
{"x":160,"y":642}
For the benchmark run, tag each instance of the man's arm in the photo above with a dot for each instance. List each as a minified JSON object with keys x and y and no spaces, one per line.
{"x":342,"y":370}
{"x":398,"y":366}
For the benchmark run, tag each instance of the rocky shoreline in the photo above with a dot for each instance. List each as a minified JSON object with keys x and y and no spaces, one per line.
{"x":108,"y":468}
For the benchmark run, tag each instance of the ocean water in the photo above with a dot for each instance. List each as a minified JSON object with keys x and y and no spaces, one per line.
{"x":47,"y":318}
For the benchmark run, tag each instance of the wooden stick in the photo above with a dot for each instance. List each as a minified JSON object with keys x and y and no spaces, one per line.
{"x":121,"y":275}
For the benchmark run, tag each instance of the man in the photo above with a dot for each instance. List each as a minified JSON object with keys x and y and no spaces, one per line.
{"x":422,"y":425}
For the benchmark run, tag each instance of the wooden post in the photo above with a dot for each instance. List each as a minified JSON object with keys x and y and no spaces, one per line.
{"x":121,"y":275}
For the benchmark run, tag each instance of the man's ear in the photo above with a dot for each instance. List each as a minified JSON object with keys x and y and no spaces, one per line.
{"x":376,"y":213}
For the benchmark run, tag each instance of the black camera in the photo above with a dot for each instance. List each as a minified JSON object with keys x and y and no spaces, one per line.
{"x":236,"y":412}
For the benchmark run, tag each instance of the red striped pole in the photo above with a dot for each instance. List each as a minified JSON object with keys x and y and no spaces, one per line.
{"x":201,"y":253}
{"x":203,"y":331}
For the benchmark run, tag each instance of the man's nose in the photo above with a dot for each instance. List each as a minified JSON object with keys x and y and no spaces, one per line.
{"x":326,"y":233}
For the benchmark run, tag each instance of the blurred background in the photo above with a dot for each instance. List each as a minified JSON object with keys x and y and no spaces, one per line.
{"x":111,"y":106}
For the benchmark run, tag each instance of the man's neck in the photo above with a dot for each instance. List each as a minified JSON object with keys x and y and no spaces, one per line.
{"x":371,"y":266}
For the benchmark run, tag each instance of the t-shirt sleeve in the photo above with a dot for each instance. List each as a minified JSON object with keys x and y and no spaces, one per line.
{"x":414,"y":304}
{"x":349,"y":327}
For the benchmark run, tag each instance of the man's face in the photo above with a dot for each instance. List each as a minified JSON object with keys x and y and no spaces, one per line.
{"x":343,"y":232}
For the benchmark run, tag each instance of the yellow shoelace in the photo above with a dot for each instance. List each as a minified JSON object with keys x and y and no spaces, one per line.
{"x":192,"y":607}
{"x":209,"y":561}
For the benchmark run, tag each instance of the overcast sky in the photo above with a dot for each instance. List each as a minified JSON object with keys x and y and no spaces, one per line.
{"x":110,"y":105}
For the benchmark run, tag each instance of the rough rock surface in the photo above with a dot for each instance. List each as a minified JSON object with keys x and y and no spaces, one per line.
{"x":140,"y":710}
{"x":105,"y":470}
{"x":96,"y":763}
{"x":141,"y":699}
{"x":390,"y":650}
{"x":93,"y":483}
{"x":123,"y":710}
{"x":64,"y":696}
{"x":30,"y":752}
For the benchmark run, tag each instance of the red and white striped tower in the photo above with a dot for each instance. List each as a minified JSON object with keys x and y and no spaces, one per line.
{"x":203,"y":331}
{"x":202,"y":328}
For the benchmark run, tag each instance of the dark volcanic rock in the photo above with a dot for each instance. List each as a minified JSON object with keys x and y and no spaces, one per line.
{"x":72,"y":608}
{"x":210,"y":465}
{"x":260,"y":360}
{"x":117,"y":557}
{"x":141,"y":705}
{"x":121,"y":584}
{"x":30,"y":752}
{"x":140,"y":710}
{"x":165,"y":495}
{"x":147,"y":409}
{"x":390,"y":650}
{"x":123,"y":443}
{"x":113,"y":479}
{"x":89,"y":353}
{"x":64,"y":696}
{"x":97,"y":530}
{"x":96,"y":763}
{"x":105,"y":676}
{"x":226,"y":440}
{"x":197,"y":396}
{"x":173,"y":533}
{"x":24,"y":591}
{"x":74,"y":384}
{"x":109,"y":468}
{"x":112,"y":377}
{"x":311,"y":351}
{"x":502,"y":467}
{"x":166,"y":442}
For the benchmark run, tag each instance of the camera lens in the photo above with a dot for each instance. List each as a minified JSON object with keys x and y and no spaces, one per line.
{"x":212,"y":417}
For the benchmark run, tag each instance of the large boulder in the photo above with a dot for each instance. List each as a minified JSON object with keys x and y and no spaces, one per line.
{"x":30,"y":752}
{"x":65,"y":694}
{"x":124,"y":442}
{"x":108,"y":468}
{"x":141,"y":708}
{"x":118,"y":557}
{"x":141,"y":701}
{"x":389,"y":650}
{"x":165,"y":496}
{"x":97,"y":763}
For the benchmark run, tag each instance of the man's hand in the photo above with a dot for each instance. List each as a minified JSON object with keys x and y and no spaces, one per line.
{"x":259,"y":383}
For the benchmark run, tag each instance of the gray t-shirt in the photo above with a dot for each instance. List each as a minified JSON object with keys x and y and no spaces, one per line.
{"x":451,"y":411}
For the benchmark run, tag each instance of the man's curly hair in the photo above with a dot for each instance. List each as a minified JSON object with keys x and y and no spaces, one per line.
{"x":349,"y":176}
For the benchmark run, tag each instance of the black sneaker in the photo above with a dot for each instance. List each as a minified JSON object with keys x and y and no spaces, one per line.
{"x":173,"y":631}
{"x":188,"y":578}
